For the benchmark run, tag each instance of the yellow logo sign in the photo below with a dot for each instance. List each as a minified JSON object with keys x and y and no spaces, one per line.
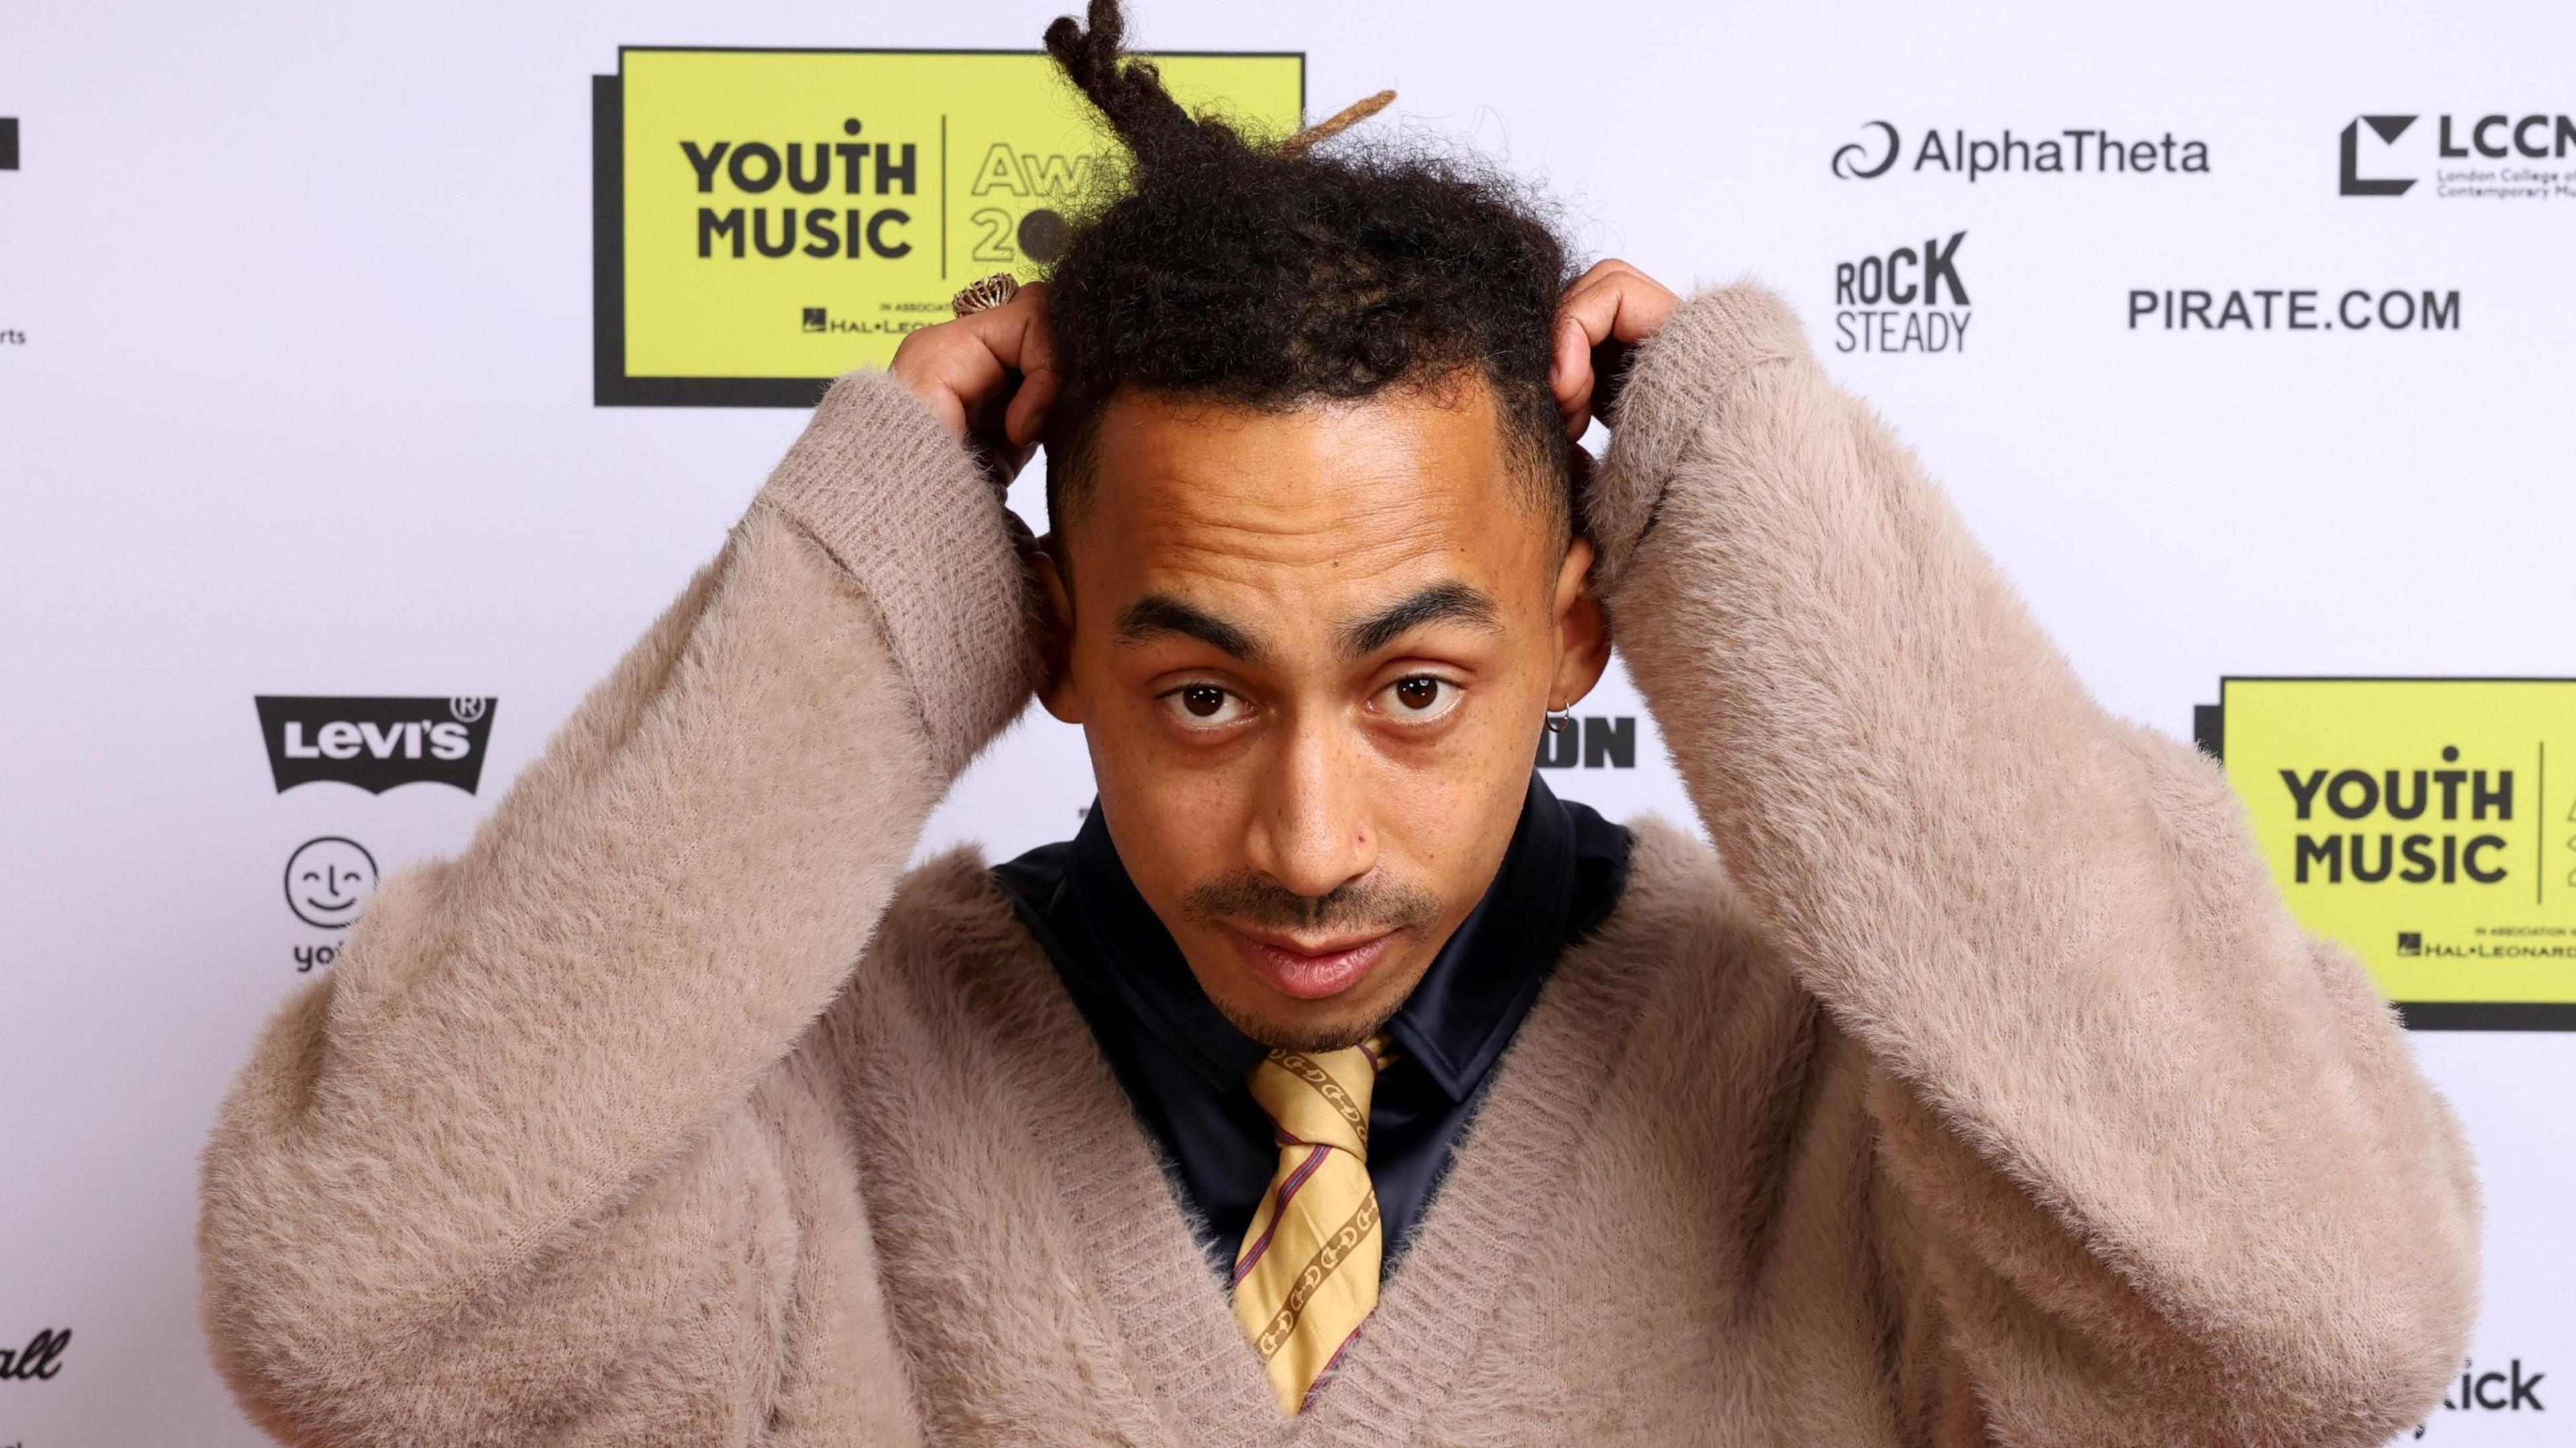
{"x":2427,"y":824}
{"x":765,"y":220}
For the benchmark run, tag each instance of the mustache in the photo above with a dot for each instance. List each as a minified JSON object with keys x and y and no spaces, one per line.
{"x":1365,"y":904}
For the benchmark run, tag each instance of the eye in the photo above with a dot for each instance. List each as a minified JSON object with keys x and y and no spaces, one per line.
{"x":1420,"y":698}
{"x":1205,"y":706}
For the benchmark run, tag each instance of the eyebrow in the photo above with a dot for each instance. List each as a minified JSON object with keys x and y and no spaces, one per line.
{"x":1159,"y":615}
{"x":1451,"y":602}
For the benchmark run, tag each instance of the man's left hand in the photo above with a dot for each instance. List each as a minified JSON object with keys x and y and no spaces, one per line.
{"x":1605,"y":314}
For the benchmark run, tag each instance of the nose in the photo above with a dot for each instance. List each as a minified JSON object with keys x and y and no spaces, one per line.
{"x":1311,"y":825}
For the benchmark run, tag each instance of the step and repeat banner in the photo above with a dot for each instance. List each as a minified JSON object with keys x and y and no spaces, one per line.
{"x":368,"y":382}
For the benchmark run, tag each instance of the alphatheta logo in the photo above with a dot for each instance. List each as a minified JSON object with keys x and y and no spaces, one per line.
{"x":765,"y":220}
{"x":375,"y":744}
{"x":1907,"y":299}
{"x":2074,"y":151}
{"x":1867,"y":160}
{"x":2429,"y":825}
{"x":327,"y":879}
{"x":2495,"y":157}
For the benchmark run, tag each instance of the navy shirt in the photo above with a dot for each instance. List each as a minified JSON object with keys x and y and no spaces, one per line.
{"x":1183,"y":1063}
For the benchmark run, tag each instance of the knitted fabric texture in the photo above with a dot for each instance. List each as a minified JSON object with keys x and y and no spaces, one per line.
{"x":1967,"y":1084}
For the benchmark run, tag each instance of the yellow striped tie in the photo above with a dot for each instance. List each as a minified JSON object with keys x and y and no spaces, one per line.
{"x":1306,"y":1276}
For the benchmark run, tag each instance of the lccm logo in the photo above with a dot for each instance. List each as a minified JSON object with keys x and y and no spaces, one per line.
{"x":375,"y":744}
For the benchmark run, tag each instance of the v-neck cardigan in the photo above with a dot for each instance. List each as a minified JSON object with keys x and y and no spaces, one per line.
{"x":1967,"y":1083}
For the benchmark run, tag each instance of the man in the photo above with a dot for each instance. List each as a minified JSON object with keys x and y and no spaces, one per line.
{"x":1337,"y":1083}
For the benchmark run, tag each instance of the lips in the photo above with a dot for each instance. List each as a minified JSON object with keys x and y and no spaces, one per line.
{"x":1309,"y":974}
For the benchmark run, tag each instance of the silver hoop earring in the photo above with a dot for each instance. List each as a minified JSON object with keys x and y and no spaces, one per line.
{"x":1560,"y":723}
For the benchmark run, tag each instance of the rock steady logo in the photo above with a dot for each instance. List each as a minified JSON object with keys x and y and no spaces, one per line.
{"x":2429,"y":825}
{"x":766,"y":220}
{"x":375,"y":744}
{"x":1894,"y":303}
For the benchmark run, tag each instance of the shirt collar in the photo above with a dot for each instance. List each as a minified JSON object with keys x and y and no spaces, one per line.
{"x":1563,"y":870}
{"x":1128,"y":945}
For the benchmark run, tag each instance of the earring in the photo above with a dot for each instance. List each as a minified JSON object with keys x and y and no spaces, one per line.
{"x":1561,"y":723}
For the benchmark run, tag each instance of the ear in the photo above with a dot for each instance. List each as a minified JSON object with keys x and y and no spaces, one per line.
{"x":1582,"y":629}
{"x":1055,"y":642}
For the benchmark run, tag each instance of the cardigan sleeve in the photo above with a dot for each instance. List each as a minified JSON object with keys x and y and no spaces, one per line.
{"x":522,"y":1161}
{"x":2157,"y":1163}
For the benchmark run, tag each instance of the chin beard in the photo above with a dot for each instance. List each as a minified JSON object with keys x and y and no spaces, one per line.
{"x":1298,"y":1036}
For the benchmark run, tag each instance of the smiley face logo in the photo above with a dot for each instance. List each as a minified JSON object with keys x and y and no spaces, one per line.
{"x":327,"y":879}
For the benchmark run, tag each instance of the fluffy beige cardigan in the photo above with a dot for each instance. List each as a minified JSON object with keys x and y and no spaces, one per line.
{"x":1984,"y":1093}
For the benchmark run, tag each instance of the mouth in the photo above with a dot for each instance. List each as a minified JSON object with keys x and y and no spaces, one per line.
{"x":1309,"y":970}
{"x":327,"y":906}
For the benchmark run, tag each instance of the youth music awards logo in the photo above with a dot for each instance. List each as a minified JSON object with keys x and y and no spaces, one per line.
{"x":765,"y":220}
{"x":2429,"y":825}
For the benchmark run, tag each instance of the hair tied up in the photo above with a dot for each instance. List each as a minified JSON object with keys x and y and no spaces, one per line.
{"x":1128,"y":91}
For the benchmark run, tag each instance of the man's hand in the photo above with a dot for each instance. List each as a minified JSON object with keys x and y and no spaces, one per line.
{"x":988,"y":375}
{"x":1605,"y":314}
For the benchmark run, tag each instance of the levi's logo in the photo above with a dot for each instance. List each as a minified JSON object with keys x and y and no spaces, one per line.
{"x":375,"y":744}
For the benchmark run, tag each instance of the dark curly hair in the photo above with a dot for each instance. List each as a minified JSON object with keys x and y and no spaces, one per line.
{"x":1270,"y":275}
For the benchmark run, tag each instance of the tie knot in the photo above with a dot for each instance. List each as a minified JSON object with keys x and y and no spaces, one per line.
{"x":1322,"y":1097}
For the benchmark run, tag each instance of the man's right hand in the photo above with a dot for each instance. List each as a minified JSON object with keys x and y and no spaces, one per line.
{"x":988,"y":375}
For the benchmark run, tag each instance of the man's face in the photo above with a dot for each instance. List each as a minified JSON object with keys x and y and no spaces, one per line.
{"x":1311,"y":653}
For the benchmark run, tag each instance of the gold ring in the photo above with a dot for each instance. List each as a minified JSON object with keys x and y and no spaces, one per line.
{"x":992,"y":291}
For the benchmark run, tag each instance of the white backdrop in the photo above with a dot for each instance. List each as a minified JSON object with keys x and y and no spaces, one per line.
{"x":296,"y":399}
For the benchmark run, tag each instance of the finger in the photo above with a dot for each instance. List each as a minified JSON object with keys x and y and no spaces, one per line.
{"x":1033,"y":352}
{"x":1584,"y":320}
{"x":1636,"y":303}
{"x":951,"y":370}
{"x":995,"y":353}
{"x":1570,"y":369}
{"x":975,"y":376}
{"x":1627,"y":307}
{"x":1016,"y":331}
{"x":1570,"y":377}
{"x":964,"y":368}
{"x":1609,"y":310}
{"x":1026,"y":420}
{"x":1612,"y":323}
